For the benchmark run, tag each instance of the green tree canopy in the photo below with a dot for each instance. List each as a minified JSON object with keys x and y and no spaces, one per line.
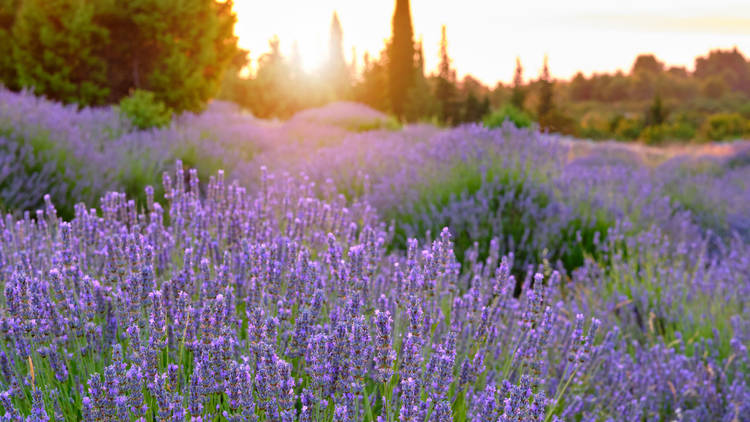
{"x":648,"y":64}
{"x":57,"y":46}
{"x":8,"y":76}
{"x":729,"y":65}
{"x":98,"y":51}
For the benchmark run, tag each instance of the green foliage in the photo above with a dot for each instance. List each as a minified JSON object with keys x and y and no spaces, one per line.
{"x":654,"y":134}
{"x":518,"y":96}
{"x":57,"y":50}
{"x":627,"y":128}
{"x":8,"y":76}
{"x":446,"y":90}
{"x":96,"y":52}
{"x":421,"y":103}
{"x":179,"y":50}
{"x":145,"y":111}
{"x":508,"y":112}
{"x":714,"y":87}
{"x":271,"y":85}
{"x":647,"y":63}
{"x":474,"y":110}
{"x":723,"y":126}
{"x":546,"y":101}
{"x":401,"y":57}
{"x":373,"y":86}
{"x":595,"y":124}
{"x":682,"y":131}
{"x":729,"y":66}
{"x":558,"y":122}
{"x":656,"y":113}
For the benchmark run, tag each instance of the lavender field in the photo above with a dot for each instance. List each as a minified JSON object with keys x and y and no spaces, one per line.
{"x":338,"y":266}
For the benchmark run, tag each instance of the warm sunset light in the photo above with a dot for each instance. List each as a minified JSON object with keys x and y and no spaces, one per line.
{"x":485,"y":37}
{"x":374,"y":210}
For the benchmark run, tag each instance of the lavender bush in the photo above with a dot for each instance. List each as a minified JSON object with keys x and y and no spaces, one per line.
{"x":419,"y":274}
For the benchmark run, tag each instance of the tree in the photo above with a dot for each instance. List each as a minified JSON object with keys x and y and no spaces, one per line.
{"x":270,"y":86}
{"x":518,"y":96}
{"x":177,"y":49}
{"x":546,"y":104}
{"x":656,"y":114}
{"x":372,"y":89}
{"x":550,"y":117}
{"x":647,"y":64}
{"x":57,"y":51}
{"x":337,"y":72}
{"x":581,"y":89}
{"x":8,"y":75}
{"x":474,"y":110}
{"x":401,"y":57}
{"x":420,"y":101}
{"x":445,"y":89}
{"x":92,"y":52}
{"x":729,"y":65}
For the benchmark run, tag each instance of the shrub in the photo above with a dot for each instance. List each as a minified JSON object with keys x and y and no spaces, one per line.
{"x":722,"y":126}
{"x":595,"y":125}
{"x":627,"y":128}
{"x":682,"y":131}
{"x":510,"y":112}
{"x":654,"y":134}
{"x":144,"y":111}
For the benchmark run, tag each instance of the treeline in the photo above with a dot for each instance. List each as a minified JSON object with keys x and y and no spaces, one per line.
{"x":156,"y":57}
{"x":651,"y":102}
{"x":655,"y":103}
{"x":159,"y":55}
{"x":394,"y":81}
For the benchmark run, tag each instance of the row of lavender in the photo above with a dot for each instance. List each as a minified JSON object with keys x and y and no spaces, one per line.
{"x":280,"y":306}
{"x":611,"y":237}
{"x":79,"y":155}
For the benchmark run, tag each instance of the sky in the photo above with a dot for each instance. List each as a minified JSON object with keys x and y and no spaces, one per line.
{"x":485,"y":36}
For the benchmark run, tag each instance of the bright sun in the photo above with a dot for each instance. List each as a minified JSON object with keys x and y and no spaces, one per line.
{"x":254,"y":31}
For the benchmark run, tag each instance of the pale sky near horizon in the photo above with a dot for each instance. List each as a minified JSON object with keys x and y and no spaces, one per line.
{"x":484,"y":37}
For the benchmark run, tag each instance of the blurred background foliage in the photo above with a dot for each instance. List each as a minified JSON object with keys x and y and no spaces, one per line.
{"x":185,"y":53}
{"x":99,"y":52}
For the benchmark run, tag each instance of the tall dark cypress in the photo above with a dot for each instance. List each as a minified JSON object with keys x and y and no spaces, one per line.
{"x":401,"y":57}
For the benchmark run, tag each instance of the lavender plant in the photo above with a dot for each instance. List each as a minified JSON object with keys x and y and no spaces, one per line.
{"x":421,"y":274}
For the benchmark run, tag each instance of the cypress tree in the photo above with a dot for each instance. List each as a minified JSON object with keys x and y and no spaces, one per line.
{"x":401,"y":57}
